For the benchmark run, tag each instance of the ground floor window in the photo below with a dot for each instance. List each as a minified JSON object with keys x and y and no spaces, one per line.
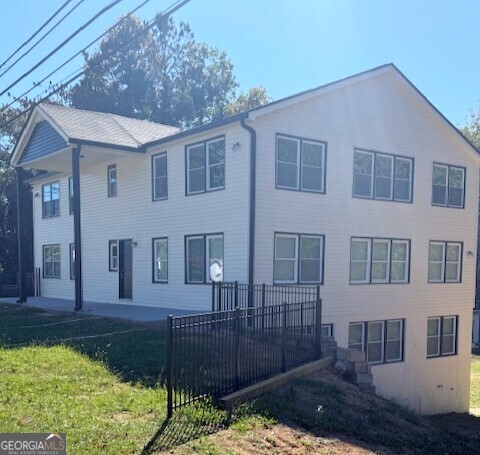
{"x":51,"y":261}
{"x":381,"y":340}
{"x":113,"y":255}
{"x":72,"y":261}
{"x":442,"y":336}
{"x":327,"y":330}
{"x":201,"y":251}
{"x":160,"y":260}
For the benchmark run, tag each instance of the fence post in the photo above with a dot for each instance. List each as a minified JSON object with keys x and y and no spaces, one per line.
{"x":318,"y":325}
{"x":219,"y":308}
{"x":284,"y":336}
{"x":213,"y":296}
{"x":237,"y":348}
{"x":169,"y":367}
{"x":263,"y":307}
{"x":235,"y":296}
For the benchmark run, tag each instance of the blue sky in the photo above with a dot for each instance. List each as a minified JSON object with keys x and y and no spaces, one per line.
{"x":290,"y":46}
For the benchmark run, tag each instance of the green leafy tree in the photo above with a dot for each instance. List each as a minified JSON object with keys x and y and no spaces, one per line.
{"x":471,"y":129}
{"x":163,"y":75}
{"x":256,"y":96}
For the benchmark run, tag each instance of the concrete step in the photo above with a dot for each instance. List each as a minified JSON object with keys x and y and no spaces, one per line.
{"x":367,"y":388}
{"x":362,"y":367}
{"x":350,"y":355}
{"x":362,"y":378}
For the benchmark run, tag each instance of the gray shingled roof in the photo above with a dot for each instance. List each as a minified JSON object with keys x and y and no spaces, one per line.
{"x":106,"y":128}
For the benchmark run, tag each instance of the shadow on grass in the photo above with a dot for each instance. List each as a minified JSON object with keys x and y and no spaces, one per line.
{"x":194,"y":422}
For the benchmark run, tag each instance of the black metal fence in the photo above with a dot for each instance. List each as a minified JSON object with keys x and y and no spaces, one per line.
{"x":228,"y":296}
{"x":214,"y":354}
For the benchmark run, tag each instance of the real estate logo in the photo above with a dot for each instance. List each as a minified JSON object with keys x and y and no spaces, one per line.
{"x":33,"y":444}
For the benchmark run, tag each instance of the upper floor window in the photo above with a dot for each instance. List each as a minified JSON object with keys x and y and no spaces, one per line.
{"x":201,"y":251}
{"x":298,"y":258}
{"x":206,"y":166}
{"x":112,"y":180}
{"x":441,"y":336}
{"x":70,"y":194}
{"x":159,"y":176}
{"x":381,"y":340}
{"x":160,"y":260}
{"x":51,"y":199}
{"x":375,"y":260}
{"x":51,"y":261}
{"x":448,"y":186}
{"x":382,"y":176}
{"x":445,"y":262}
{"x":300,"y":164}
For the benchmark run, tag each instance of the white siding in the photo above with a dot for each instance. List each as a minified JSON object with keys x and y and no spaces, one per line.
{"x":381,"y":114}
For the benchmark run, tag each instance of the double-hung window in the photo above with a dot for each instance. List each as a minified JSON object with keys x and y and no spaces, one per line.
{"x":51,"y":261}
{"x":51,"y":199}
{"x":441,"y":336}
{"x":445,"y":262}
{"x":113,"y":255}
{"x":381,"y":340}
{"x":70,"y":194}
{"x":201,"y":251}
{"x":159,"y":176}
{"x":112,"y":180}
{"x":206,"y":166}
{"x":382,"y":176}
{"x":375,"y":260}
{"x":72,"y":261}
{"x":298,"y":258}
{"x":160,"y":260}
{"x":448,"y":186}
{"x":300,"y":164}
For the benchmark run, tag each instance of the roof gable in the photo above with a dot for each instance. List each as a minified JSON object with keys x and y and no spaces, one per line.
{"x":43,"y":141}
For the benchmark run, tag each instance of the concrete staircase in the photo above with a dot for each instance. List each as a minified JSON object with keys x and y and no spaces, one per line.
{"x":355,"y":368}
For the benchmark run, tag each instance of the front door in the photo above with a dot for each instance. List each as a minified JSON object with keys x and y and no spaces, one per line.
{"x":125,"y":269}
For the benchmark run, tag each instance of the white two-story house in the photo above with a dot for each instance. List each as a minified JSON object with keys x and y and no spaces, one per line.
{"x":361,"y":186}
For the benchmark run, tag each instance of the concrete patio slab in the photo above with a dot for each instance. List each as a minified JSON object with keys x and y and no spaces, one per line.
{"x":109,"y":310}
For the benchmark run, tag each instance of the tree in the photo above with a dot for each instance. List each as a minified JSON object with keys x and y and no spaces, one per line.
{"x":471,"y":129}
{"x":256,"y":96}
{"x":162,"y":75}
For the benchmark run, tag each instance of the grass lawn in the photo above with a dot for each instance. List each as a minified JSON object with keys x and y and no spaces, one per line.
{"x":106,"y":393}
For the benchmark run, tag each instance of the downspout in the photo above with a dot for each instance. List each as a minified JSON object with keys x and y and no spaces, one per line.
{"x":253,"y":174}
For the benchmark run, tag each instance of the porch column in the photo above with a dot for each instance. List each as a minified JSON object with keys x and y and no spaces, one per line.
{"x":77,"y":228}
{"x":21,"y":234}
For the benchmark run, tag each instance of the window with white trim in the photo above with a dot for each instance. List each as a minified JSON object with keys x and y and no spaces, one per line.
{"x":72,"y":261}
{"x":201,"y":251}
{"x":445,"y":262}
{"x":160,"y":260}
{"x":448,"y":185}
{"x":327,"y":330}
{"x":382,"y":176}
{"x":51,"y":261}
{"x":112,"y":180}
{"x":300,"y":164}
{"x":51,"y":199}
{"x":381,"y":340}
{"x":442,"y":336}
{"x":159,"y":176}
{"x":113,"y":255}
{"x":70,"y":195}
{"x":377,"y":260}
{"x":206,"y":166}
{"x":298,"y":258}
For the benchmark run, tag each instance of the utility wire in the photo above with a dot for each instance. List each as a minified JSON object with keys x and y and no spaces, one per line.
{"x":81,"y":51}
{"x":42,"y":38}
{"x":76,"y":32}
{"x":165,"y":14}
{"x":36,"y":33}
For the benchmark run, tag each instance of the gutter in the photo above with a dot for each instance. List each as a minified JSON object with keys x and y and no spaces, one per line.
{"x":253,"y":184}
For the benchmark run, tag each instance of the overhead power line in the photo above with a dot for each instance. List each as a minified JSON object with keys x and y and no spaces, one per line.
{"x":75,"y":33}
{"x":81,"y":51}
{"x":42,"y":38}
{"x":36,"y":33}
{"x":165,"y":14}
